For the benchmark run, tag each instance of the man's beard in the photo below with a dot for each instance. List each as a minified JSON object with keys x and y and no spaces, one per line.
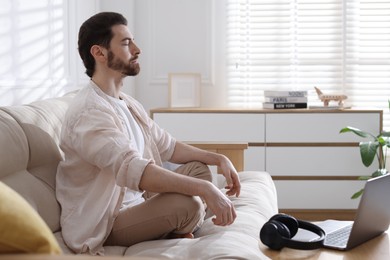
{"x":128,"y":69}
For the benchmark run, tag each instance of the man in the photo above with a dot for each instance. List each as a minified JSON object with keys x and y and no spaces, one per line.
{"x":113,"y":154}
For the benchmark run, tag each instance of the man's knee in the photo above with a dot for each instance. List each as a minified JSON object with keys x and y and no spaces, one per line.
{"x":188,"y":205}
{"x":205,"y":171}
{"x":189,"y":212}
{"x":198,"y":170}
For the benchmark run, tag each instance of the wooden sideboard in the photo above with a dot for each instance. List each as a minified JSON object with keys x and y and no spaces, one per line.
{"x":315,"y":168}
{"x":233,"y":151}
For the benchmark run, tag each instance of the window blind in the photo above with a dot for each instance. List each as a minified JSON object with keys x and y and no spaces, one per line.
{"x":34,"y":58}
{"x":339,"y":46}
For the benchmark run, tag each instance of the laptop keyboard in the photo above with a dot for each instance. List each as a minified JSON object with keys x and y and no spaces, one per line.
{"x":338,"y":238}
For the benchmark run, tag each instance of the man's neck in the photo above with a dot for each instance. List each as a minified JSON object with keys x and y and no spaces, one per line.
{"x":110,"y":86}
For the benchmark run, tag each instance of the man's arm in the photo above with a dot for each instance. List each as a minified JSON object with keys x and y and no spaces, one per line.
{"x":160,"y":180}
{"x":184,"y":153}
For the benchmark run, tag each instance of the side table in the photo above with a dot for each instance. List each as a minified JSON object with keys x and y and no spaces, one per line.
{"x":377,"y":248}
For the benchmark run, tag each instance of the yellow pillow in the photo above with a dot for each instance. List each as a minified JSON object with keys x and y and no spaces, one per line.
{"x":22,"y":230}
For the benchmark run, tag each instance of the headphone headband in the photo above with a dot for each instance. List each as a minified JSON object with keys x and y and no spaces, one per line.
{"x":304,"y":245}
{"x":281,"y":228}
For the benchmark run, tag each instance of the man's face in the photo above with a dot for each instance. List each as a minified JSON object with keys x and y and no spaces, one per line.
{"x":123,"y":53}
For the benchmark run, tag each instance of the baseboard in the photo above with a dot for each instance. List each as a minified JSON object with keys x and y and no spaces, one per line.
{"x":320,"y":214}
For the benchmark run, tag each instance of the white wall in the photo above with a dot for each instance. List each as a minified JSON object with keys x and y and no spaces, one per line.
{"x":174,"y":36}
{"x":179,"y":36}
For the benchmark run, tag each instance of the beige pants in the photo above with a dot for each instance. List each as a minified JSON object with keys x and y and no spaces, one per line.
{"x":161,"y":214}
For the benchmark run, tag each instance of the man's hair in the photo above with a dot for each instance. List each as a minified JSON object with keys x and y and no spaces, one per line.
{"x":97,"y":31}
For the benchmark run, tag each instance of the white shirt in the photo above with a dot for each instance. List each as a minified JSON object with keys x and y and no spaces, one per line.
{"x":131,"y":197}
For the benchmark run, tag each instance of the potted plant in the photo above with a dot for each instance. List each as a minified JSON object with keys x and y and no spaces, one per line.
{"x":375,"y":147}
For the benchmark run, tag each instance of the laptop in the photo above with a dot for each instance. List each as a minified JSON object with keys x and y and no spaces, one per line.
{"x":372,"y":219}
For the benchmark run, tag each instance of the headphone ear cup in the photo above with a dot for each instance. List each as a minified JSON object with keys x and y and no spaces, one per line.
{"x":273,"y":234}
{"x":290,"y":222}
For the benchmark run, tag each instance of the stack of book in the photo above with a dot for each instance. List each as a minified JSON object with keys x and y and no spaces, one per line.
{"x":284,"y":99}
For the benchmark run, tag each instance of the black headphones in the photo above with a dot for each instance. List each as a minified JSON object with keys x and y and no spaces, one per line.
{"x":281,"y":228}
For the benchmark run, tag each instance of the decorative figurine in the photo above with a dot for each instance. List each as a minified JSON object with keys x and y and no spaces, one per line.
{"x":334,"y":97}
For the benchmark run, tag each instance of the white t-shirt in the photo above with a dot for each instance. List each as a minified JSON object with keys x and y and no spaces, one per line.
{"x":137,"y":140}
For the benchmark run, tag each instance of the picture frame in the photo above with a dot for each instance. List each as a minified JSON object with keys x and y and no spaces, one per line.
{"x":184,"y":89}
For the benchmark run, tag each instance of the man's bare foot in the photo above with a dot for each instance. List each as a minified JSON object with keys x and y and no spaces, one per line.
{"x":186,"y":235}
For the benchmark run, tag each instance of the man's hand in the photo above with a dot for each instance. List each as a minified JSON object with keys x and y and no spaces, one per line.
{"x":220,"y":205}
{"x":184,"y":153}
{"x":232,"y":179}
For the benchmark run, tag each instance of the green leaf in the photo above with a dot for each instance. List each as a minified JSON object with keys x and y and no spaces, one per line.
{"x":357,"y":194}
{"x":385,"y":134}
{"x":368,"y":152}
{"x":356,"y":131}
{"x":382,"y":140}
{"x":379,"y":172}
{"x":364,"y":178}
{"x":386,"y":140}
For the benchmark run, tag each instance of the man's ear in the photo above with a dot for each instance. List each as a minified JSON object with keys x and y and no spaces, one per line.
{"x":98,"y":52}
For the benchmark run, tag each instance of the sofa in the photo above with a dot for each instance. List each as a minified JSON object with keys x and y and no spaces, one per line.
{"x":29,"y":155}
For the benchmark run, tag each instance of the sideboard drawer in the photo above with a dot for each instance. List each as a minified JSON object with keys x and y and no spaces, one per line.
{"x":316,"y":161}
{"x":210,"y":127}
{"x":254,"y":159}
{"x":320,"y":127}
{"x":312,"y":194}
